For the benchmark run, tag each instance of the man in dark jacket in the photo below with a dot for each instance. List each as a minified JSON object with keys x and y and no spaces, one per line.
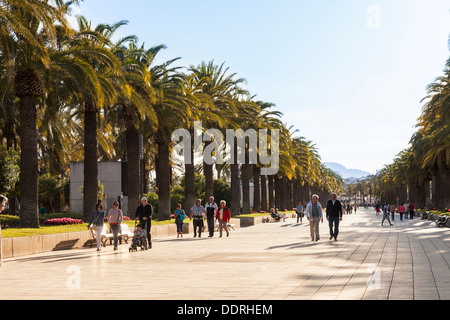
{"x":144,"y":213}
{"x":334,"y":215}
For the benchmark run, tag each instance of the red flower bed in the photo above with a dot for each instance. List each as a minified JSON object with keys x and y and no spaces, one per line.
{"x":62,"y":221}
{"x":125,"y":218}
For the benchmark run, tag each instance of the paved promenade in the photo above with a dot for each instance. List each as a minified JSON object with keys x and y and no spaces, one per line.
{"x":410,"y":260}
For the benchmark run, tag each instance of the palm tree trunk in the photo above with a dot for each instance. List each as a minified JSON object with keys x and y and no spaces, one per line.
{"x":235,"y":183}
{"x":235,"y":190}
{"x":245,"y":175}
{"x":277,"y":184}
{"x":256,"y":189}
{"x":133,"y":176}
{"x":441,"y":185}
{"x":209,"y":178}
{"x":163,"y":174}
{"x":271,"y":191}
{"x":264,"y":193}
{"x":90,"y":189}
{"x":29,"y":213}
{"x":189,"y":179}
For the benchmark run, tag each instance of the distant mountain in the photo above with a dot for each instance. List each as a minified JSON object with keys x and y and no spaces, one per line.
{"x":346,"y":173}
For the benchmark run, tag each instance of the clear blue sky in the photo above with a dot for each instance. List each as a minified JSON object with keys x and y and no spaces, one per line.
{"x":348,"y":74}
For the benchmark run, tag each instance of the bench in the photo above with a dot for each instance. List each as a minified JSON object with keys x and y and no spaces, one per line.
{"x":124,"y":234}
{"x":441,"y":222}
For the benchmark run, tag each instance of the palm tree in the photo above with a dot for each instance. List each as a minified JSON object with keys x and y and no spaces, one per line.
{"x":221,"y":88}
{"x":25,"y":27}
{"x":93,"y":47}
{"x":134,"y":106}
{"x":172,"y":107}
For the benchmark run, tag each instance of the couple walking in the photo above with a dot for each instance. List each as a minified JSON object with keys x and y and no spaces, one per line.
{"x":213,"y":213}
{"x":114,"y":218}
{"x":314,"y":214}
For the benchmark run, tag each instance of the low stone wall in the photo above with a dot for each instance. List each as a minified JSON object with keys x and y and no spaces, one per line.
{"x":251,"y":221}
{"x":20,"y":246}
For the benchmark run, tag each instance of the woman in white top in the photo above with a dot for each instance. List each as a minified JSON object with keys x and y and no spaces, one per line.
{"x":115,"y":218}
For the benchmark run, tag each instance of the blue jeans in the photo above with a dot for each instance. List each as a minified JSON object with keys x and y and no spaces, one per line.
{"x":115,"y":229}
{"x":180,"y":226}
{"x":334,"y":231}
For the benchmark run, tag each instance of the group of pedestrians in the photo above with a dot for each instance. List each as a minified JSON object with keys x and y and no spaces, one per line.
{"x":405,"y":211}
{"x":314,"y":214}
{"x":115,"y":218}
{"x":211,"y":211}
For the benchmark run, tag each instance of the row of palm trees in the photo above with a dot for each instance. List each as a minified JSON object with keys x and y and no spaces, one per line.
{"x":421,"y":173}
{"x":74,"y":94}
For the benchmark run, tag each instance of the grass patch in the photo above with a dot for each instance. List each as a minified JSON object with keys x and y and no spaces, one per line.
{"x":25,"y":232}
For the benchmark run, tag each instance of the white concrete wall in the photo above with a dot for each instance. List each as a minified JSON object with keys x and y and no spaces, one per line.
{"x":110,"y":176}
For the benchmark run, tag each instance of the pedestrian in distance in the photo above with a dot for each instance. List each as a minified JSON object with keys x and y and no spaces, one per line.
{"x":180,"y":215}
{"x":96,"y":223}
{"x":314,"y":214}
{"x":401,"y":211}
{"x":411,"y":210}
{"x":385,"y":214}
{"x":144,"y":214}
{"x":406,"y":206}
{"x":223,"y":216}
{"x":197,"y":215}
{"x":299,"y":211}
{"x":391,"y":211}
{"x":377,"y":209}
{"x":210,"y":208}
{"x":42,"y":209}
{"x":115,"y":218}
{"x":334,"y":215}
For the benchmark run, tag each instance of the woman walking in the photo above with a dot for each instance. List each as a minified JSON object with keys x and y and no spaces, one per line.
{"x":96,"y":223}
{"x":115,"y":218}
{"x":223,"y":216}
{"x":180,"y":215}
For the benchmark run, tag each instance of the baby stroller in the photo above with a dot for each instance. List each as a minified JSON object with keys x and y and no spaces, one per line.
{"x":141,"y":242}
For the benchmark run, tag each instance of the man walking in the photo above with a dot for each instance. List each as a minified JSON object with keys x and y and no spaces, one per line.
{"x":144,"y":213}
{"x":211,"y":208}
{"x":314,"y":215}
{"x":334,"y":215}
{"x":197,"y":213}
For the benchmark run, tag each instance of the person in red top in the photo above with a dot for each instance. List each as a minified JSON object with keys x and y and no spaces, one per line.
{"x":401,"y":210}
{"x":223,"y":215}
{"x":411,"y":211}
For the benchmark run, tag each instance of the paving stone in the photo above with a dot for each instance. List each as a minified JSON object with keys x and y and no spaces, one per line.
{"x":272,"y":261}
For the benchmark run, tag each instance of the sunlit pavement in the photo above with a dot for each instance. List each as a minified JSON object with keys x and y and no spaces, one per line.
{"x":275,"y":261}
